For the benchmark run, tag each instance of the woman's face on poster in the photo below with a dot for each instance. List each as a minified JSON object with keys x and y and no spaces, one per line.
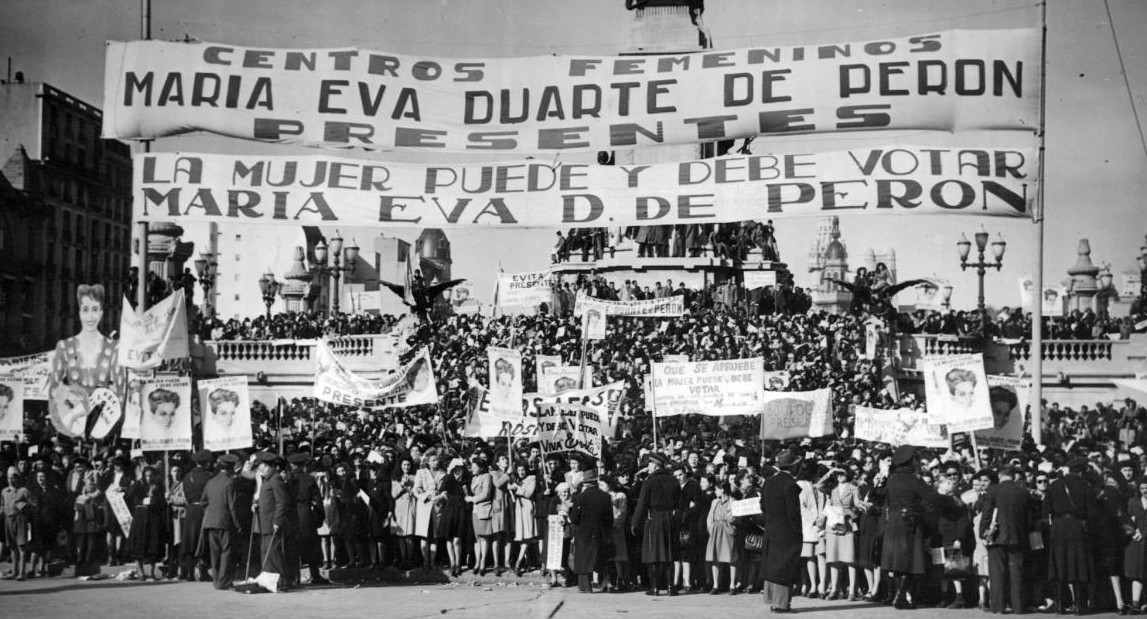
{"x":91,"y":313}
{"x":164,"y":414}
{"x":5,"y":401}
{"x":225,"y":414}
{"x":1001,"y":413}
{"x":963,"y":393}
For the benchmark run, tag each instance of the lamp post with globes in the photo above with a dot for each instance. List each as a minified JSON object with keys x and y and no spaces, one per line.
{"x":270,"y":289}
{"x":981,"y":266}
{"x":207,"y":270}
{"x":335,"y":251}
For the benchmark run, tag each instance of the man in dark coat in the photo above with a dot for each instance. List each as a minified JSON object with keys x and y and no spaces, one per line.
{"x":221,"y":520}
{"x":903,"y":553}
{"x":273,"y":509}
{"x":592,"y":518}
{"x":780,"y":518}
{"x":309,"y":510}
{"x":190,"y":544}
{"x":1071,"y":504}
{"x":1007,"y":510}
{"x":660,"y":497}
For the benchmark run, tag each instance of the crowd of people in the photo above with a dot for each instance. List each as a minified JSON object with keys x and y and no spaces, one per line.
{"x":406,"y":488}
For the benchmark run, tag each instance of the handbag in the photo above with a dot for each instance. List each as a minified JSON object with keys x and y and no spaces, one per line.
{"x":910,"y":515}
{"x":957,"y":565}
{"x":684,"y":538}
{"x":754,"y":542}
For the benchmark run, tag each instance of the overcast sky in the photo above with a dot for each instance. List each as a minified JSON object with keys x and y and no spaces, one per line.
{"x":1096,"y":164}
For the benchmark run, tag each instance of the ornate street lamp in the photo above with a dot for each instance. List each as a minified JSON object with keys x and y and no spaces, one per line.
{"x":999,"y":246}
{"x":335,"y":251}
{"x":270,"y":289}
{"x":207,"y":269}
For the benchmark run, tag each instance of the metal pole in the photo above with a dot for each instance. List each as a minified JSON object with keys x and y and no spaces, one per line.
{"x":981,"y":305}
{"x":1037,"y":308}
{"x":335,"y":292}
{"x":141,"y":278}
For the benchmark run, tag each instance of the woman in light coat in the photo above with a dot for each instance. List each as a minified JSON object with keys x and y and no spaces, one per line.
{"x":721,"y":549}
{"x":813,"y":501}
{"x":426,"y":482}
{"x":525,"y":523}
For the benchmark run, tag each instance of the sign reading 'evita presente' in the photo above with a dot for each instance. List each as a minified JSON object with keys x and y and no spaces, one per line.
{"x":314,"y":190}
{"x":949,"y":81}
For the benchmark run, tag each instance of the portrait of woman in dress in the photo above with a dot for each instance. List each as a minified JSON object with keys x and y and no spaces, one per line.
{"x":81,"y":364}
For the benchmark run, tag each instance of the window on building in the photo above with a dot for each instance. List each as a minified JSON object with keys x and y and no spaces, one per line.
{"x":28,"y":297}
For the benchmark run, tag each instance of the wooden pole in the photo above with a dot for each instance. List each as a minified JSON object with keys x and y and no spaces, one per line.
{"x":1036,"y":403}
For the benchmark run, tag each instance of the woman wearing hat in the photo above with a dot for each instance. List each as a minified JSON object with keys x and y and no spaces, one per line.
{"x":1070,"y":503}
{"x":426,"y":482}
{"x":148,"y":538}
{"x":656,"y":506}
{"x":903,"y":553}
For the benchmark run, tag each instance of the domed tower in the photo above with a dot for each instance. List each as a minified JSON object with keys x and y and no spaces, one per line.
{"x":298,"y":289}
{"x":830,"y":296}
{"x":1084,"y":284}
{"x":434,"y":251}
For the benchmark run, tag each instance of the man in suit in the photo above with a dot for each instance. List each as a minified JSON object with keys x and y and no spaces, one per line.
{"x":780,"y":518}
{"x":221,"y":520}
{"x":592,"y":518}
{"x":273,"y":512}
{"x":190,"y":545}
{"x":1007,"y":509}
{"x":656,"y":506}
{"x":309,"y":510}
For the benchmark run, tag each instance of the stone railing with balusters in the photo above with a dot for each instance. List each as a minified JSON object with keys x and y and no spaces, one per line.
{"x":369,"y":354}
{"x":1089,"y":359}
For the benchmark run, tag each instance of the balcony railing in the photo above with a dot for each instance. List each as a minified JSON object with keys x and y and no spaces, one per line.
{"x":370,"y":354}
{"x":1094,"y":360}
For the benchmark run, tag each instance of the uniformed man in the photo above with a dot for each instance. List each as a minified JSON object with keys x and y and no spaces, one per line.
{"x":273,"y":509}
{"x":660,"y":496}
{"x":221,"y":520}
{"x":190,"y":545}
{"x":309,"y":510}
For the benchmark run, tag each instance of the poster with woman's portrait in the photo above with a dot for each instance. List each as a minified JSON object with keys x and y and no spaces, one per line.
{"x":81,"y":364}
{"x":11,"y":407}
{"x":133,"y":403}
{"x":593,"y":324}
{"x":956,"y":388}
{"x":778,"y":380}
{"x":1008,"y":396}
{"x":226,"y":413}
{"x":543,"y":363}
{"x":166,"y":417}
{"x":505,"y":382}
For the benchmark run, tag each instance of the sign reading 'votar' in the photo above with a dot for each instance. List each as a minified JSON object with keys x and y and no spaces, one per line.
{"x":321,"y":190}
{"x":950,"y":80}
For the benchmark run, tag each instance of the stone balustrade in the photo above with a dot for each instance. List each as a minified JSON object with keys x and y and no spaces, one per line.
{"x":368,"y":354}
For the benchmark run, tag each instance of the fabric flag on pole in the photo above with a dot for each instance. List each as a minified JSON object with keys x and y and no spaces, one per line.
{"x":159,"y":333}
{"x":408,"y":290}
{"x":796,"y":414}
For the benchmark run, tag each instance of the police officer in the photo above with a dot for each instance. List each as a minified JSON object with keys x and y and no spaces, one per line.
{"x":309,"y":514}
{"x":190,"y":545}
{"x":660,"y":496}
{"x":273,"y":509}
{"x":221,"y":520}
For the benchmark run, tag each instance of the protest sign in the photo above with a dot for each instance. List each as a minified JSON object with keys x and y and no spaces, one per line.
{"x":1053,"y":300}
{"x":11,"y":407}
{"x":902,"y":426}
{"x":524,"y":289}
{"x":777,"y":380}
{"x":666,"y":306}
{"x":1008,"y":397}
{"x":411,"y":385}
{"x":34,"y":370}
{"x":948,"y":80}
{"x":730,"y":387}
{"x":226,"y":404}
{"x":745,"y":507}
{"x":158,"y":333}
{"x":593,"y":324}
{"x":796,"y":414}
{"x":956,"y":389}
{"x":106,"y":408}
{"x":133,"y":403}
{"x":166,"y":424}
{"x":569,"y":427}
{"x":759,"y":279}
{"x":1027,"y":292}
{"x":505,"y":382}
{"x":605,"y":401}
{"x":555,"y":540}
{"x":120,"y":509}
{"x":558,"y":380}
{"x":541,"y":364}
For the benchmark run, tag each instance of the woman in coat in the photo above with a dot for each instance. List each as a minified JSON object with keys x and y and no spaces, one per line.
{"x":1135,"y":555}
{"x":378,"y":514}
{"x":591,"y":517}
{"x":502,"y":518}
{"x":955,"y":528}
{"x":403,"y":525}
{"x":750,"y":571}
{"x":523,"y":489}
{"x":619,"y":501}
{"x":481,"y":496}
{"x":352,"y":513}
{"x":903,"y":553}
{"x":1070,"y":503}
{"x":429,"y":508}
{"x":116,"y":480}
{"x":451,"y":522}
{"x":721,"y":550}
{"x":87,"y":523}
{"x":813,"y":501}
{"x":148,"y":538}
{"x":870,"y":532}
{"x":1109,"y":537}
{"x":840,"y":540}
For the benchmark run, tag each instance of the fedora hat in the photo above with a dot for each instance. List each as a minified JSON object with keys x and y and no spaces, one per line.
{"x":903,"y":455}
{"x":788,"y":459}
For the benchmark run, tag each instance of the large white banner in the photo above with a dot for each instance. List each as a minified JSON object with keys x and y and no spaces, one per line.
{"x":730,"y":387}
{"x":505,"y":382}
{"x":605,"y":401}
{"x":524,"y":289}
{"x":11,"y":407}
{"x":759,"y":279}
{"x":158,"y":333}
{"x":166,"y":424}
{"x":226,"y":413}
{"x":411,"y":385}
{"x":667,"y":306}
{"x":1008,"y":397}
{"x":796,"y":414}
{"x":956,"y":389}
{"x":951,"y":80}
{"x":294,"y":190}
{"x":34,"y":370}
{"x":569,"y":427}
{"x":902,"y":426}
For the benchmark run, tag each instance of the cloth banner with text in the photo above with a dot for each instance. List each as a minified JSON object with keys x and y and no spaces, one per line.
{"x":948,"y":80}
{"x":569,"y":427}
{"x":759,"y":279}
{"x":11,"y":407}
{"x":411,"y":385}
{"x":505,"y":382}
{"x":35,"y":370}
{"x":158,"y":333}
{"x":667,"y":306}
{"x":226,"y":404}
{"x":166,"y":423}
{"x":294,"y":190}
{"x":524,"y":289}
{"x":1008,"y":397}
{"x":902,"y":426}
{"x":796,"y":414}
{"x":715,"y":388}
{"x":956,"y":390}
{"x":605,"y":401}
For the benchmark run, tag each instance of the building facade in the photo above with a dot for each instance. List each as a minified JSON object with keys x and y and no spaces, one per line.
{"x":65,"y":215}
